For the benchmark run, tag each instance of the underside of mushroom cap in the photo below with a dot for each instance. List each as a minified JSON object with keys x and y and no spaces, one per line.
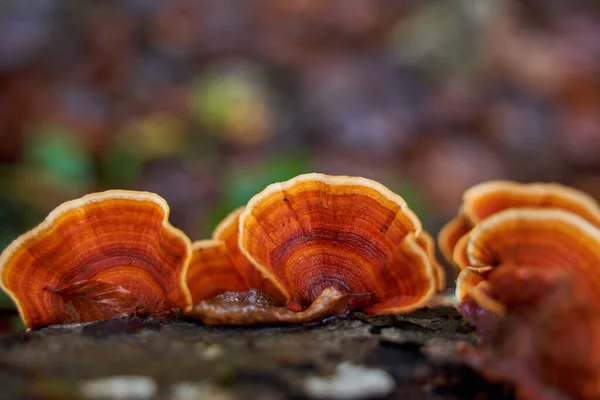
{"x":105,"y":255}
{"x":317,"y":231}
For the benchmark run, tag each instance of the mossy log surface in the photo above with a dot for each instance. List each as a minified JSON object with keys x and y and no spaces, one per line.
{"x":273,"y":362}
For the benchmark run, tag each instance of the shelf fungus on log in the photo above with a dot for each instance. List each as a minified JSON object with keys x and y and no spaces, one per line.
{"x":105,"y":255}
{"x":538,"y":307}
{"x":349,"y":234}
{"x":485,"y":199}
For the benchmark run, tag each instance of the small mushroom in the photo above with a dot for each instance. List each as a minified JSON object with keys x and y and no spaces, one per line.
{"x":218,"y":266}
{"x":352,"y":234}
{"x":212,"y":271}
{"x":105,"y":255}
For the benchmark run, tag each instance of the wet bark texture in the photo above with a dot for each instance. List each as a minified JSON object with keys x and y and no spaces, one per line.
{"x":274,"y":362}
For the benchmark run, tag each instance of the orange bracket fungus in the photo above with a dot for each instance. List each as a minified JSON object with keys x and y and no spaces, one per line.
{"x":353,"y":235}
{"x":212,"y":271}
{"x":542,"y":290}
{"x":102,"y":256}
{"x":488,"y":198}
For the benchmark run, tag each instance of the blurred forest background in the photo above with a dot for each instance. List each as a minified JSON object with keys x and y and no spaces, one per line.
{"x":207,"y":101}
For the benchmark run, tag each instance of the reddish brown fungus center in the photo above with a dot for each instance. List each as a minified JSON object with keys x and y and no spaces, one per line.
{"x":519,"y":285}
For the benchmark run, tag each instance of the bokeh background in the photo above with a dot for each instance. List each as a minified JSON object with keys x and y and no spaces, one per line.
{"x":207,"y":101}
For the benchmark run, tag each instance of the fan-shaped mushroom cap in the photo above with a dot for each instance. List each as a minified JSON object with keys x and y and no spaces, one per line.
{"x":228,"y":232}
{"x":218,"y":266}
{"x":488,"y":198}
{"x":515,"y":243}
{"x":353,"y":234}
{"x":102,"y":256}
{"x":537,"y":238}
{"x":212,"y":271}
{"x":451,"y":233}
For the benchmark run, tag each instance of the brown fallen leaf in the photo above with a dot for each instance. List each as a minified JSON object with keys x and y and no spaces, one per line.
{"x":97,"y":299}
{"x":256,"y":307}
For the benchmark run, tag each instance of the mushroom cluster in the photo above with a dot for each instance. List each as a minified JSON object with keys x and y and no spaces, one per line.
{"x":313,"y":246}
{"x":529,"y":256}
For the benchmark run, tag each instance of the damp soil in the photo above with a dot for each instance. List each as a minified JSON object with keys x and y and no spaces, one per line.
{"x":272,"y":362}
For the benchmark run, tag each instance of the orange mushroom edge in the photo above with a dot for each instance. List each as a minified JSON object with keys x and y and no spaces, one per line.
{"x":218,"y":266}
{"x":348,"y":234}
{"x":545,"y":276}
{"x":451,"y":233}
{"x":488,"y":198}
{"x":212,"y":271}
{"x":105,"y":255}
{"x":426,"y":242}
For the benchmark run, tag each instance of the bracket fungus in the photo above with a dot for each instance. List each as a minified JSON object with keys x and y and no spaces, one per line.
{"x":218,"y":266}
{"x":350,"y":234}
{"x":105,"y":255}
{"x":458,"y":240}
{"x":488,"y":198}
{"x":543,"y":287}
{"x":485,"y":199}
